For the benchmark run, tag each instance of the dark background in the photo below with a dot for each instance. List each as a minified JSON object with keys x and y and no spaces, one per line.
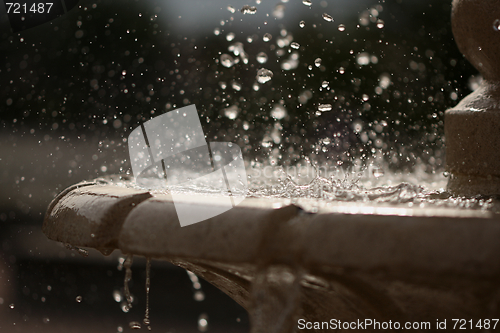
{"x":72,"y":89}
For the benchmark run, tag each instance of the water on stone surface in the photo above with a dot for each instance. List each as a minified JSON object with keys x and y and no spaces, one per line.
{"x":374,"y":129}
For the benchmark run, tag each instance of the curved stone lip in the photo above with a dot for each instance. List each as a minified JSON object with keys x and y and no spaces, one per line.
{"x":267,"y":231}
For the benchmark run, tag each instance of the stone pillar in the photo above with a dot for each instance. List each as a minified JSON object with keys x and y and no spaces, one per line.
{"x":472,"y":128}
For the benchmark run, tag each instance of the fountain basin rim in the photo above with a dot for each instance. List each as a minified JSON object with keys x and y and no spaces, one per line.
{"x":255,"y":233}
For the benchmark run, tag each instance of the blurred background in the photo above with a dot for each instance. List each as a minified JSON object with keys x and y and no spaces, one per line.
{"x":342,"y":82}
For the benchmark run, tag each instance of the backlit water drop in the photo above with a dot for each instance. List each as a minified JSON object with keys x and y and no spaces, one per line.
{"x":267,"y":37}
{"x":264,"y":75}
{"x":327,"y":17}
{"x":302,"y":24}
{"x":226,"y":60}
{"x":203,"y":322}
{"x":325,"y":107}
{"x":262,"y":57}
{"x":247,"y":9}
{"x":317,"y":62}
{"x":496,"y":25}
{"x":307,"y":2}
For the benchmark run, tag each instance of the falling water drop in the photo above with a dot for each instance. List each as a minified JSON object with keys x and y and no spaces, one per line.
{"x":262,"y":57}
{"x":79,"y":299}
{"x":267,"y":37}
{"x":327,"y":17}
{"x":317,"y":62}
{"x":325,"y":84}
{"x":247,"y":9}
{"x":236,"y":86}
{"x":230,"y":36}
{"x":146,"y":320}
{"x":135,"y":325}
{"x":12,"y":306}
{"x":231,"y":9}
{"x":307,"y":2}
{"x":203,"y":322}
{"x":341,"y":27}
{"x":295,"y":45}
{"x":496,"y":25}
{"x":128,"y":277}
{"x":380,"y":24}
{"x":302,"y":24}
{"x":231,"y":112}
{"x":226,"y":60}
{"x":264,"y":75}
{"x":324,"y":107}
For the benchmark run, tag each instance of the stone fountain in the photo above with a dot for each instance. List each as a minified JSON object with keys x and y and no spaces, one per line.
{"x":292,"y":264}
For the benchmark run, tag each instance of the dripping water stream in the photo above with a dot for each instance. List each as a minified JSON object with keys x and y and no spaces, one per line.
{"x":146,"y":320}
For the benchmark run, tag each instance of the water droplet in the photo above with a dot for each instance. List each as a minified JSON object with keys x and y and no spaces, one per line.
{"x":236,"y":86}
{"x":378,"y":172}
{"x":203,"y":322}
{"x":46,"y":320}
{"x":262,"y":57}
{"x":267,"y":37}
{"x":341,"y":27}
{"x":317,"y":62}
{"x":226,"y":60}
{"x":264,"y":75}
{"x":302,"y":24}
{"x":327,"y":17}
{"x":117,"y":296}
{"x":247,"y":9}
{"x":230,"y":36}
{"x":325,"y":84}
{"x":307,"y":2}
{"x":231,"y":112}
{"x":496,"y":25}
{"x":295,"y":45}
{"x":199,"y":296}
{"x":278,"y":112}
{"x":79,"y":299}
{"x":380,"y":24}
{"x":325,"y":107}
{"x":231,"y":9}
{"x":11,"y":306}
{"x":135,"y":325}
{"x":341,"y":70}
{"x":363,"y":59}
{"x":217,"y":31}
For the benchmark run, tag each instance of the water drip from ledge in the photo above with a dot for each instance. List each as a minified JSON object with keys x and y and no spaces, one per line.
{"x":276,"y":299}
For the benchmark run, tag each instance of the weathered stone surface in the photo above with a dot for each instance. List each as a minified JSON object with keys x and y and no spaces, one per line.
{"x":352,"y":266}
{"x":472,"y":128}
